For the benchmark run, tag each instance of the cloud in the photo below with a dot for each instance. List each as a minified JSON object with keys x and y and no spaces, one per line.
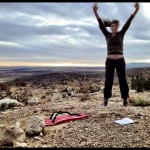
{"x":67,"y":32}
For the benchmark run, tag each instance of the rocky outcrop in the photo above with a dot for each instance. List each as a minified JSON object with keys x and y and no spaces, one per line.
{"x":35,"y":126}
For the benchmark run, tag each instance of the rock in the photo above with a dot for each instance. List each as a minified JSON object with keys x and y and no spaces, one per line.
{"x":68,"y":89}
{"x":44,"y":146}
{"x":18,"y":124}
{"x":132,"y":91}
{"x":55,"y":91}
{"x":17,"y":144}
{"x":33,"y":101}
{"x":2,"y":126}
{"x":64,"y":95}
{"x":37,"y":137}
{"x":8,"y":100}
{"x":5,"y":112}
{"x":8,"y":103}
{"x":11,"y":134}
{"x":41,"y":134}
{"x":57,"y":96}
{"x":35,"y":126}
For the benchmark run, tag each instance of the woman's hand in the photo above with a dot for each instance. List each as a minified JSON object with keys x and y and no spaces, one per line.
{"x":95,"y":7}
{"x":136,"y":5}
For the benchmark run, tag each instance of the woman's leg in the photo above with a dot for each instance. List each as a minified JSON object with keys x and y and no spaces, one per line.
{"x":121,"y":72}
{"x":109,"y":76}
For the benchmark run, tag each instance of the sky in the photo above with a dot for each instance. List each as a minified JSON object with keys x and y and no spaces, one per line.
{"x":68,"y":34}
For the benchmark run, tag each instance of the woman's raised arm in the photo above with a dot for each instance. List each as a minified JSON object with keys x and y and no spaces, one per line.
{"x":101,"y":25}
{"x":127,"y":24}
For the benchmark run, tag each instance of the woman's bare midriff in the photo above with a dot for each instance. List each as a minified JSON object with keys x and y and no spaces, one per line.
{"x":115,"y":56}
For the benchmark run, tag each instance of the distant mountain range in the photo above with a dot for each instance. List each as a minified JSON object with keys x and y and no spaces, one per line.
{"x":137,"y":65}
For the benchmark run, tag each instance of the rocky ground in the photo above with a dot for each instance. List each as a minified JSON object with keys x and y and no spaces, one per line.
{"x":41,"y":95}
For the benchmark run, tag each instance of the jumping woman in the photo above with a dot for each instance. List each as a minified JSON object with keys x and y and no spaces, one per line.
{"x":115,"y":58}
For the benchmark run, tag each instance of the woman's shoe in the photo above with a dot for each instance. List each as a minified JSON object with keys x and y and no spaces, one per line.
{"x":125,"y":102}
{"x":105,"y":102}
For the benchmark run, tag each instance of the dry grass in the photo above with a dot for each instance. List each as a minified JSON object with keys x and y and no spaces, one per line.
{"x":138,"y":100}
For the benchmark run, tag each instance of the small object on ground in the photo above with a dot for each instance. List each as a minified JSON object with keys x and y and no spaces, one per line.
{"x":124,"y":121}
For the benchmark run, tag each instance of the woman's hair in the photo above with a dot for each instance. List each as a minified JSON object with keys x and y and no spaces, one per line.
{"x":108,"y":23}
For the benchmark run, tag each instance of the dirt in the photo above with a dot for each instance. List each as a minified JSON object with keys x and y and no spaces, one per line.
{"x":98,"y":130}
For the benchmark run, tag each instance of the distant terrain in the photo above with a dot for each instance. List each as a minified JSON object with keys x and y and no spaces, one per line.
{"x":10,"y":73}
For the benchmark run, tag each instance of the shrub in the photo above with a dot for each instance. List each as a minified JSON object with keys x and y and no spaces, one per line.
{"x":139,"y":101}
{"x":95,"y":88}
{"x":11,"y":105}
{"x":4,"y":86}
{"x":140,"y":83}
{"x":3,"y":106}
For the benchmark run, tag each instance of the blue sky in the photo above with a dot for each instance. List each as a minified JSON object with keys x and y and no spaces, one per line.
{"x":67,"y":34}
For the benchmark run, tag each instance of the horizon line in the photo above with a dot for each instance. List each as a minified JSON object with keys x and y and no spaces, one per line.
{"x":69,"y":65}
{"x":52,"y":66}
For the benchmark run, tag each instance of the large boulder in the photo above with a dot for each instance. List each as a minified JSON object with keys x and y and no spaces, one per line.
{"x":35,"y":126}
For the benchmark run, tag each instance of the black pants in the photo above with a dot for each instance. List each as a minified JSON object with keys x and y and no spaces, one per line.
{"x":120,"y":66}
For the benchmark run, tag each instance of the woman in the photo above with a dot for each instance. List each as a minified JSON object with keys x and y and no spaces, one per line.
{"x":115,"y":57}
